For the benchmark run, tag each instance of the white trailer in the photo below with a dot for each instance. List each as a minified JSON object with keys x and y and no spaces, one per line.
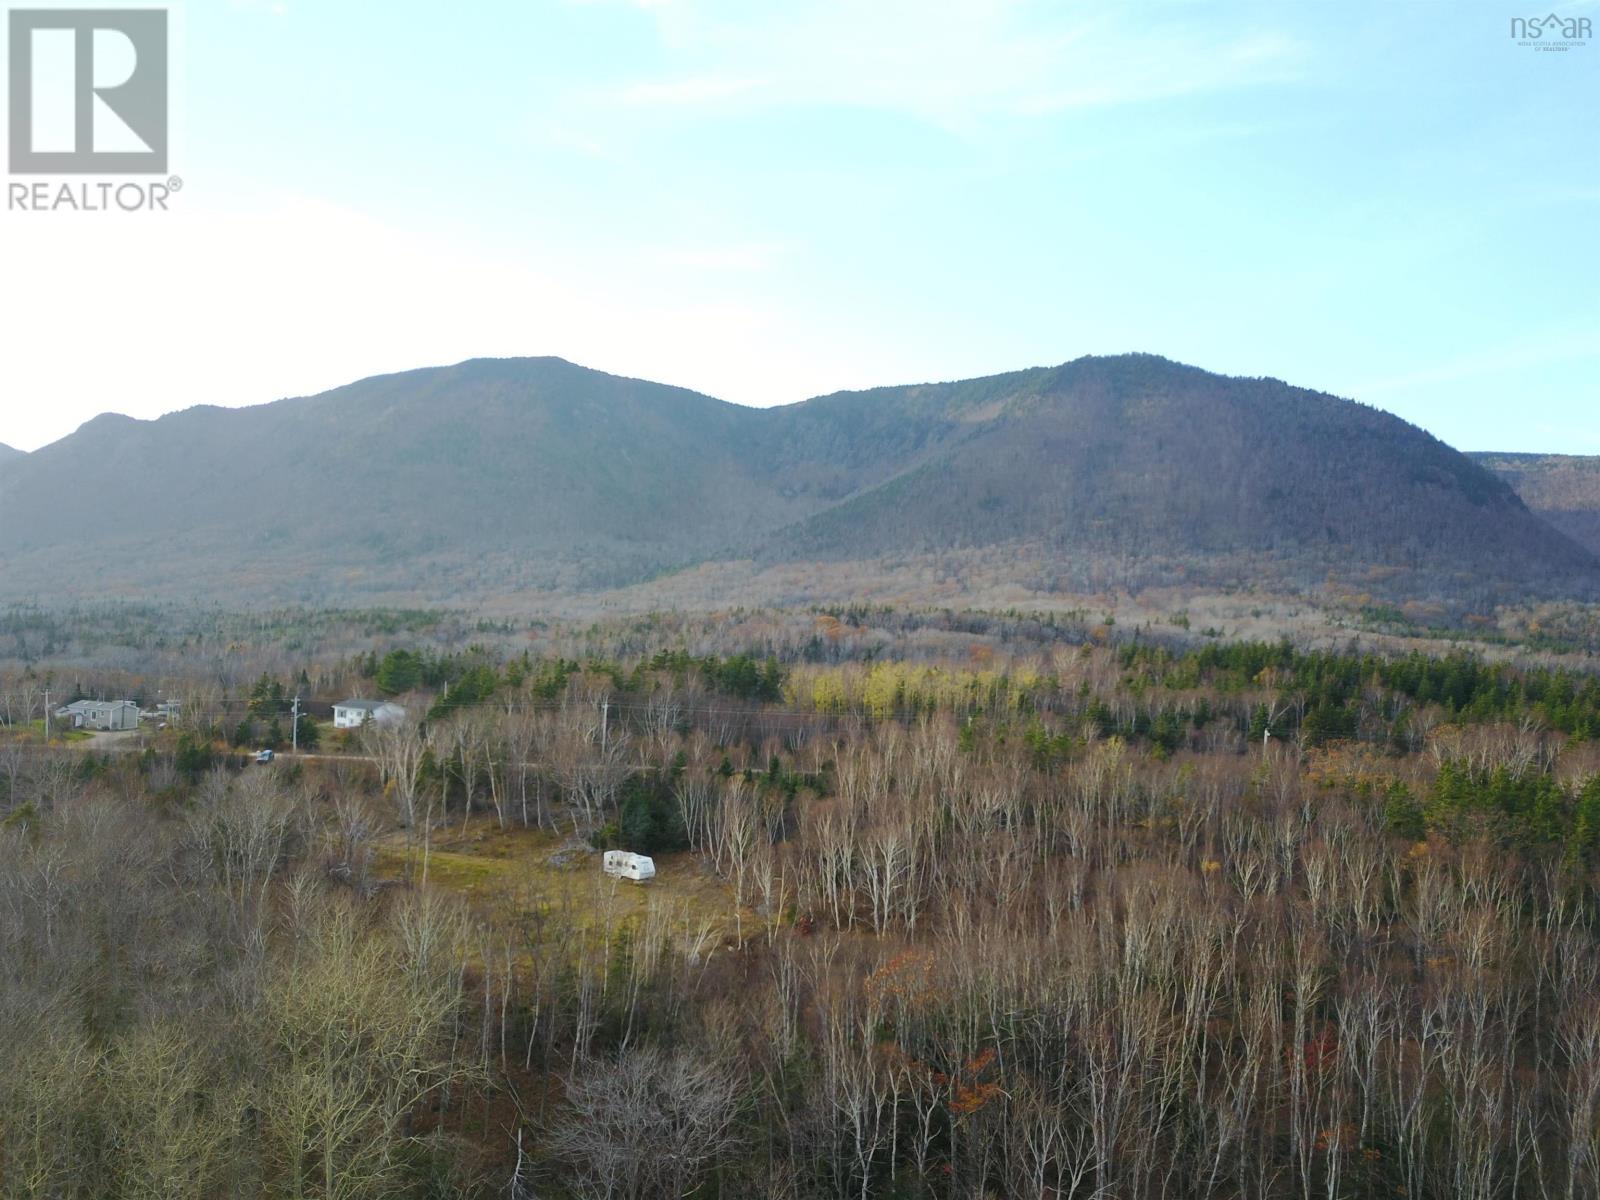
{"x":621,"y":864}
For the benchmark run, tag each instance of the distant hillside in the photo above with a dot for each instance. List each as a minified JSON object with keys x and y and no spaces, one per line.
{"x":1564,"y":489}
{"x":497,"y":475}
{"x":1137,"y":453}
{"x":556,"y":472}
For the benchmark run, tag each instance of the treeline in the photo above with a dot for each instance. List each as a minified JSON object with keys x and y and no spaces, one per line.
{"x":1462,"y":686}
{"x":474,"y":676}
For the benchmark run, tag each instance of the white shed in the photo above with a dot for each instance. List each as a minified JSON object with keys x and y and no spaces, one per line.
{"x":621,"y":864}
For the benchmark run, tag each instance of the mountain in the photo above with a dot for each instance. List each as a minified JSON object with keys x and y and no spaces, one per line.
{"x":1137,"y":453}
{"x":492,"y":476}
{"x":575,"y":473}
{"x":1564,"y":489}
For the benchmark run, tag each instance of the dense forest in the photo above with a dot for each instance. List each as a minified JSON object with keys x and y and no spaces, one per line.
{"x":946,"y":907}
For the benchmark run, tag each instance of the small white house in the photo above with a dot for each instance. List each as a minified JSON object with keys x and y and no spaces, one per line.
{"x":621,"y":864}
{"x":352,"y":714}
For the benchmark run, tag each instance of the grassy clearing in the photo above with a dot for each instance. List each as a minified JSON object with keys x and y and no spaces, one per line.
{"x":33,"y":732}
{"x":525,"y":873}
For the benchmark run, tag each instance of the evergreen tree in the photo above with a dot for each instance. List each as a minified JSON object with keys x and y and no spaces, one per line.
{"x":400,"y":671}
{"x":266,"y":697}
{"x":193,"y":758}
{"x":1259,"y":724}
{"x":1403,"y":814}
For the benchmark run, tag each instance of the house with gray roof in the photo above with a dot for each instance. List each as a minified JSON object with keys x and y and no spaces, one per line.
{"x":100,"y":714}
{"x":352,"y":714}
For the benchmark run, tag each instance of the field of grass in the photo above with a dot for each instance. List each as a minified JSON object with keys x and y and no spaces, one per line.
{"x":517,"y":874}
{"x":33,"y":731}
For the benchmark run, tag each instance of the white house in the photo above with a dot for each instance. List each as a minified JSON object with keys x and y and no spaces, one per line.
{"x":100,"y":714}
{"x":620,"y":864}
{"x":352,"y":714}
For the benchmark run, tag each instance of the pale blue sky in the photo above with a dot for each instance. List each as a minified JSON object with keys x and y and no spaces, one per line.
{"x":1389,"y":201}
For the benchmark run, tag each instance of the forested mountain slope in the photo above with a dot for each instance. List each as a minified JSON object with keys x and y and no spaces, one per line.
{"x":1564,"y":489}
{"x":498,"y":475}
{"x":1138,"y":453}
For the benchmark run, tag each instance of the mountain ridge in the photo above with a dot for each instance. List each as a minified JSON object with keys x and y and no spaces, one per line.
{"x":499,"y":474}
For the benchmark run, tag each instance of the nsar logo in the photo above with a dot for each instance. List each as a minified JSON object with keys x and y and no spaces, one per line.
{"x":1551,"y":32}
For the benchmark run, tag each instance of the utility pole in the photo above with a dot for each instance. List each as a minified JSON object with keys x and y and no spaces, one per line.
{"x":47,"y":716}
{"x":294,"y":727}
{"x":605,"y":712}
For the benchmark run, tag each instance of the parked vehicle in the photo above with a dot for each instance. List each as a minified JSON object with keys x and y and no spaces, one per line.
{"x":621,"y":864}
{"x":264,"y":756}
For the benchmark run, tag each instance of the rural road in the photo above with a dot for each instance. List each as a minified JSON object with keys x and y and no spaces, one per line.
{"x":129,"y":741}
